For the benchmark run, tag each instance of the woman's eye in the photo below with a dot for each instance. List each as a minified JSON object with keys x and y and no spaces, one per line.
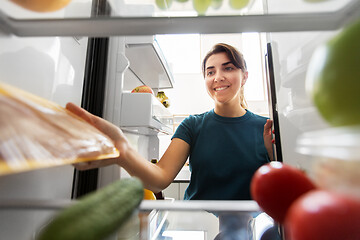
{"x":229,"y":68}
{"x":210,"y":73}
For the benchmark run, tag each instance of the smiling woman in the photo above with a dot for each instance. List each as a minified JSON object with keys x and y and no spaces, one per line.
{"x":226,"y":143}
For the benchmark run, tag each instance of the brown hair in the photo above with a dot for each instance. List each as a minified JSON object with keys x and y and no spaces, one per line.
{"x":235,"y":57}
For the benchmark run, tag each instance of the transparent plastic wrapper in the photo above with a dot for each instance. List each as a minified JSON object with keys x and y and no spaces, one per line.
{"x":336,"y":154}
{"x":36,"y":133}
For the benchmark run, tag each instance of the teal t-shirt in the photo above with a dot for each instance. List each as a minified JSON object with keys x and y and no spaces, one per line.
{"x":224,"y":154}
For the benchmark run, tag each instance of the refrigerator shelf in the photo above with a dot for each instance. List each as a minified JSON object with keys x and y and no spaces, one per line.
{"x":142,"y":113}
{"x":35,"y":204}
{"x":148,"y":62}
{"x":155,"y":219}
{"x":329,"y":15}
{"x":146,"y":205}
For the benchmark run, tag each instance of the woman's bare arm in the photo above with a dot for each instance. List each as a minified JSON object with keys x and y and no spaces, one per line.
{"x":155,"y":177}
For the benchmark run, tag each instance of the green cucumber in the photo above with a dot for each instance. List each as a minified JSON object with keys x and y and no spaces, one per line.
{"x":98,"y":214}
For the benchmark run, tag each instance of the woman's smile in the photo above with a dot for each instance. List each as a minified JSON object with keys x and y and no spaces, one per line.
{"x":220,"y":88}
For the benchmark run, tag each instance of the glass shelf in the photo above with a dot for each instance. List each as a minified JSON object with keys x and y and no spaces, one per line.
{"x":163,"y":218}
{"x":143,"y":17}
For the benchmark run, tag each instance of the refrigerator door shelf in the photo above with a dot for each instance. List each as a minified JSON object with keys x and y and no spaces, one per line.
{"x":142,"y":113}
{"x":334,"y":153}
{"x":148,"y":63}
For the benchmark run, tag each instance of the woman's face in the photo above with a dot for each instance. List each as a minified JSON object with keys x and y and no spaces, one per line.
{"x":223,"y":80}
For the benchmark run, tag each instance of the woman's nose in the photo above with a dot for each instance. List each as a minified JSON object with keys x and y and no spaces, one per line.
{"x":219,"y":76}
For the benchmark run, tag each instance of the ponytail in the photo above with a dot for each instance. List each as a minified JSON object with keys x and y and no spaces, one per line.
{"x":243,"y":102}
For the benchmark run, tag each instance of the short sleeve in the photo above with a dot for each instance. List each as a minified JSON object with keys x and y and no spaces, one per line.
{"x":185,"y":130}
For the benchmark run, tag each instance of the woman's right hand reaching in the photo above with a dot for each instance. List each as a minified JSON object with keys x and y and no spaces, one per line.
{"x":109,"y":129}
{"x":155,"y":177}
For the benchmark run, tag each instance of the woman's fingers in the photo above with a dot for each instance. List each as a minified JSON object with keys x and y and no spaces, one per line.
{"x":267,"y":127}
{"x":100,"y":123}
{"x":80,"y":112}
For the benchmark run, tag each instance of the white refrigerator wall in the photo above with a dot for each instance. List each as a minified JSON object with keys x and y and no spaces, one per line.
{"x":52,"y":68}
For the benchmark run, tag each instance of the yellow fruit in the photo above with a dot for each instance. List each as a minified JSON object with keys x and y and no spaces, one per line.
{"x":166,"y":103}
{"x":161,"y":96}
{"x":149,"y":195}
{"x":42,"y":5}
{"x":238,"y":4}
{"x":333,"y":78}
{"x":164,"y":4}
{"x":201,"y":6}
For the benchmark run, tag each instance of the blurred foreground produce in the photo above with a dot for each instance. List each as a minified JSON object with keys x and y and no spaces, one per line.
{"x":42,"y":5}
{"x":202,"y":6}
{"x":163,"y":4}
{"x":305,"y":211}
{"x":238,"y":4}
{"x":324,"y":215}
{"x":333,"y":78}
{"x":275,"y":186}
{"x":216,"y":4}
{"x":36,"y":133}
{"x":98,"y":214}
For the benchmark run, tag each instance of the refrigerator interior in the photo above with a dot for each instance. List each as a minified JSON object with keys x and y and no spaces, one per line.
{"x":42,"y":58}
{"x":52,"y":68}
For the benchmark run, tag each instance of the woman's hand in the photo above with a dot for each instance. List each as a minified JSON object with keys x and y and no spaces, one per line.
{"x":155,"y":177}
{"x":109,"y":129}
{"x":268,"y":140}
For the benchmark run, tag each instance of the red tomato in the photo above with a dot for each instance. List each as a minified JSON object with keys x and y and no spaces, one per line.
{"x":322,"y":214}
{"x":275,"y":186}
